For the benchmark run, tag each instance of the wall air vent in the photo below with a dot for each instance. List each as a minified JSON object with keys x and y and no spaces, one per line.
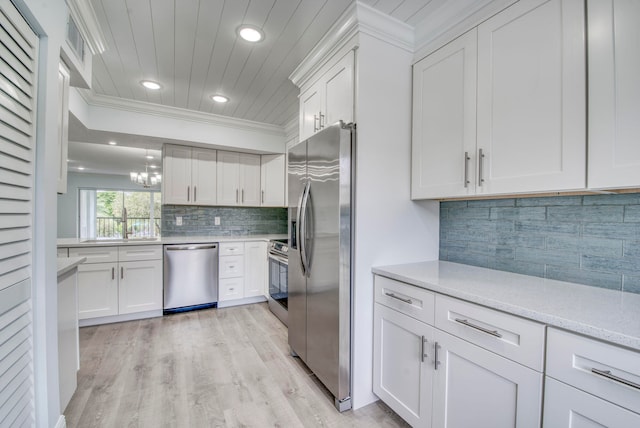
{"x":75,"y":40}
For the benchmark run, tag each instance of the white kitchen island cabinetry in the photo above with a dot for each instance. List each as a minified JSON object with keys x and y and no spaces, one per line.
{"x":238,"y":179}
{"x":119,"y":283}
{"x":614,"y":93}
{"x":329,"y":98}
{"x":189,"y":176}
{"x":530,"y":106}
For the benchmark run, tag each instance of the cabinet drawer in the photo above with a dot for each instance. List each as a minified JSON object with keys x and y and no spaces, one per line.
{"x":230,"y":288}
{"x":231,"y":248}
{"x":132,"y":253}
{"x":231,"y":266}
{"x":408,"y":299}
{"x":572,"y":359}
{"x":515,"y":338}
{"x":95,"y":254}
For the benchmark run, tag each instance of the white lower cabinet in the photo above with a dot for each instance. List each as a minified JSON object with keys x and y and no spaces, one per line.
{"x":255,"y":269}
{"x":242,"y":271}
{"x":129,"y":283}
{"x":433,"y":378}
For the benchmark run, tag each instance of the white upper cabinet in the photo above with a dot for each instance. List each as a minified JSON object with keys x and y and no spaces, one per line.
{"x":531,"y":98}
{"x":272,"y":181}
{"x":329,"y":99}
{"x":522,"y":128}
{"x":238,"y":179}
{"x":189,"y":176}
{"x":444,"y":121}
{"x":614,"y":93}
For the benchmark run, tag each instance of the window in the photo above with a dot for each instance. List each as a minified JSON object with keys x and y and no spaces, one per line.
{"x":102,"y":214}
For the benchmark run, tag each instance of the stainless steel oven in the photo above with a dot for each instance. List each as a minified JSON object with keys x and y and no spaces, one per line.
{"x":278,"y":271}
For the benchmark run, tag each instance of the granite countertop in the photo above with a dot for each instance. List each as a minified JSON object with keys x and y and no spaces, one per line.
{"x":65,"y":264}
{"x":75,"y":242}
{"x":610,"y":315}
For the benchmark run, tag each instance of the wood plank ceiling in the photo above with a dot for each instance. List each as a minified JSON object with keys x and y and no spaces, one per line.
{"x":190,"y":47}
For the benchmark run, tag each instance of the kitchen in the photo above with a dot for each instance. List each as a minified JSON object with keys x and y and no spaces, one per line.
{"x":390,"y":227}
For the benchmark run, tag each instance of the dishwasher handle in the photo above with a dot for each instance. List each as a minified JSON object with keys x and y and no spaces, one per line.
{"x":190,"y":247}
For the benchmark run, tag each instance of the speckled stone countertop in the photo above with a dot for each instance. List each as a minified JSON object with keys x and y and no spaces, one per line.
{"x":605,"y":314}
{"x":75,"y":242}
{"x":65,"y":264}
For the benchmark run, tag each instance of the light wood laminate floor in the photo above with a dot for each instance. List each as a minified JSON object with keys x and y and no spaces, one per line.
{"x":211,"y":368}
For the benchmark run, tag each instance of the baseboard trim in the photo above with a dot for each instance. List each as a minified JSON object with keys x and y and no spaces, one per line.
{"x":119,"y":318}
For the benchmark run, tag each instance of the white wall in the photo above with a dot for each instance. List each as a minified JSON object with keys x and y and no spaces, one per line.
{"x":390,"y":228}
{"x":48,"y":18}
{"x":68,"y":203}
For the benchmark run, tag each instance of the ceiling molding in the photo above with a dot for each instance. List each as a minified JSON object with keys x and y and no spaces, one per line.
{"x":85,"y":18}
{"x":177,"y":113}
{"x":358,"y":17}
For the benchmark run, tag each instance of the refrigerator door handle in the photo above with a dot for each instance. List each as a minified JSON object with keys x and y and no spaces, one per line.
{"x":302,"y":232}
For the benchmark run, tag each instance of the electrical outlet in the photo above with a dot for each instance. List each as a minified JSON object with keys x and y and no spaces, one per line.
{"x":178,"y":220}
{"x":216,"y":221}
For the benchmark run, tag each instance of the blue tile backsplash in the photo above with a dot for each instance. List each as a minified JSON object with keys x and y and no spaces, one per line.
{"x":593,"y":240}
{"x":234,"y":221}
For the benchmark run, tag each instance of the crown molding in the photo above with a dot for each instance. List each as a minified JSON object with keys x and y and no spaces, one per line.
{"x":85,"y":18}
{"x":357,"y":18}
{"x":124,"y":104}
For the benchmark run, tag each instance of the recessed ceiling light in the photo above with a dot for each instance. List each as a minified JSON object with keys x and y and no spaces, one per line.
{"x":153,"y":167}
{"x":250,"y":33}
{"x":149,"y":84}
{"x":149,"y":157}
{"x":219,"y":98}
{"x":112,"y":143}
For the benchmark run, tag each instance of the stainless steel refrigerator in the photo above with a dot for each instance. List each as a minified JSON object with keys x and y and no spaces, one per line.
{"x":320,"y":254}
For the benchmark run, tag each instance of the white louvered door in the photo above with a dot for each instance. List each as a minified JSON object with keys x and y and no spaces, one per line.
{"x":18,"y":55}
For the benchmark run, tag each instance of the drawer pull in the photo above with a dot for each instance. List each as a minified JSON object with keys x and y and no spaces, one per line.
{"x":422,"y":354}
{"x":393,"y":296}
{"x":435,"y":356}
{"x":477,"y":327}
{"x":608,"y":375}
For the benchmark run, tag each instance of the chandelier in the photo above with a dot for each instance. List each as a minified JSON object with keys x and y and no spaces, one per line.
{"x":143,"y":178}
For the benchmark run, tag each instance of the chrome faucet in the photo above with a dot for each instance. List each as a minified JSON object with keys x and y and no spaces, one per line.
{"x":125,"y":228}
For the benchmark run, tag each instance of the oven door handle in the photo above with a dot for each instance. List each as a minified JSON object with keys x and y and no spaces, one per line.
{"x":278,"y":258}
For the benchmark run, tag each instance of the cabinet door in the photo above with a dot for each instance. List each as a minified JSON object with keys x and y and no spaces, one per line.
{"x":531,"y":98}
{"x":250,"y":180}
{"x":568,"y":407}
{"x":255,"y":269}
{"x":97,"y":290}
{"x":474,"y":387}
{"x":228,"y":178}
{"x":310,"y":106}
{"x":203,"y":177}
{"x":338,"y":92}
{"x":614,"y":93}
{"x":272,"y":181}
{"x":402,"y":373}
{"x":176,"y":178}
{"x":63,"y":126}
{"x":140,"y":287}
{"x":444,"y":121}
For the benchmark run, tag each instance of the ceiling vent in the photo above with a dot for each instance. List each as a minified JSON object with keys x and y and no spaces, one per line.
{"x":75,"y":40}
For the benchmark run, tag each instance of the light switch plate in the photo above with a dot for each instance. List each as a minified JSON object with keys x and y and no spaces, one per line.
{"x":178,"y":220}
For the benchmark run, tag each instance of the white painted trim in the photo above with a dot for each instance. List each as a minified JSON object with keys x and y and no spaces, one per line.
{"x":358,"y":17}
{"x":85,"y":18}
{"x":452,"y":20}
{"x":124,"y":104}
{"x":245,"y":301}
{"x":62,"y":422}
{"x":119,"y":318}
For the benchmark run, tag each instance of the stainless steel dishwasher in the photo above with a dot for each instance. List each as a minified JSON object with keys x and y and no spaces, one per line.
{"x":190,"y":277}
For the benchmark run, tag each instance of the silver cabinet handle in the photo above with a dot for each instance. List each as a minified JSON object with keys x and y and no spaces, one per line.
{"x":477,"y":327}
{"x":195,"y":197}
{"x":263,"y":196}
{"x":435,"y":356}
{"x":315,"y":119}
{"x":422,"y":354}
{"x":466,"y":169}
{"x":243,"y":196}
{"x":121,"y":272}
{"x":236,"y":196}
{"x":188,"y":192}
{"x":607,"y":374}
{"x":393,"y":296}
{"x":321,"y":121}
{"x":113,"y":273}
{"x":480,"y":167}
